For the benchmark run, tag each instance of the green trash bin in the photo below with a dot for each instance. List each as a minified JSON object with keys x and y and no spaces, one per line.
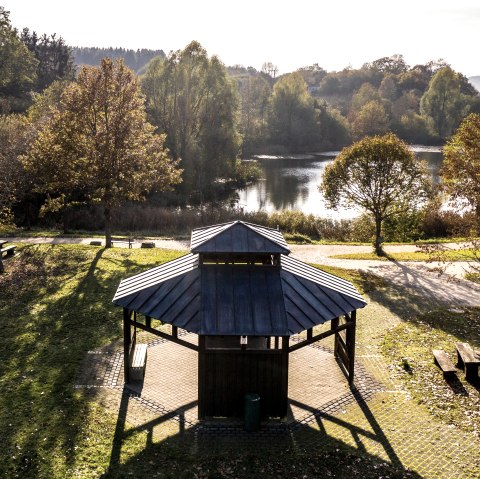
{"x":252,"y":412}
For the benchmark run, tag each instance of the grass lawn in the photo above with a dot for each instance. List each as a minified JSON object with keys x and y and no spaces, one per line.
{"x":453,"y":401}
{"x":56,"y":305}
{"x":454,"y":255}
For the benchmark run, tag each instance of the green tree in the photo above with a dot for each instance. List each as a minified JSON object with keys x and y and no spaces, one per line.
{"x":254,"y":96}
{"x":55,"y":60}
{"x":14,"y":139}
{"x":461,"y":164}
{"x":370,"y":120}
{"x":443,"y":104}
{"x":98,"y":144}
{"x":291,"y":118}
{"x":17,"y":67}
{"x":192,"y":100}
{"x":379,"y":174}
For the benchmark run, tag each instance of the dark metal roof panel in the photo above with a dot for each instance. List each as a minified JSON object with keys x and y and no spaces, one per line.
{"x":175,"y":301}
{"x":242,"y":300}
{"x":322,"y":278}
{"x":156,"y":276}
{"x":309,"y":304}
{"x":238,"y":237}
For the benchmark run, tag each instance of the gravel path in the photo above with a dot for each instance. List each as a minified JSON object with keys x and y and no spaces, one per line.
{"x":421,"y":277}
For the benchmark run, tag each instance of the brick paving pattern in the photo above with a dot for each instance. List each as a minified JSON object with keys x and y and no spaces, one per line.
{"x":376,"y":417}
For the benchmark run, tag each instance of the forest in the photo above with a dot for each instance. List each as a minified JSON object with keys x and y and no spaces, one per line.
{"x":211,"y":116}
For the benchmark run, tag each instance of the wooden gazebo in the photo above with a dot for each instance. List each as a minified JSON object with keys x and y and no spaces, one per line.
{"x":244,"y":297}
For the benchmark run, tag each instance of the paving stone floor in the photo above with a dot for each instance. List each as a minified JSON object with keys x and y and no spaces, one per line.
{"x":376,"y":416}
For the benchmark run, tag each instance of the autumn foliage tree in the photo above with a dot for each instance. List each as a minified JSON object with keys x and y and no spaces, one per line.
{"x":98,"y":144}
{"x":378,"y":174}
{"x":461,"y":164}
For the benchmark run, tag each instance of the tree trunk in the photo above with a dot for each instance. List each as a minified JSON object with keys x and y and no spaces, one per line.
{"x":378,"y":238}
{"x":108,"y":226}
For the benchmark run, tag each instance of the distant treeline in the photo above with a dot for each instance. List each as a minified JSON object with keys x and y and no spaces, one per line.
{"x":134,"y":59}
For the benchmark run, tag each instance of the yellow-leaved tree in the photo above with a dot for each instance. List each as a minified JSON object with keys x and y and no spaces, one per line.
{"x":98,"y":145}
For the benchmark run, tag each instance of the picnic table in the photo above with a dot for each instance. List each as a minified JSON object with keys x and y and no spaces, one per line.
{"x":468,"y":360}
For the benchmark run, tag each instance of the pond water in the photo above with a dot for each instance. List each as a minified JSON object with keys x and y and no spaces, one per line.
{"x":291,"y":183}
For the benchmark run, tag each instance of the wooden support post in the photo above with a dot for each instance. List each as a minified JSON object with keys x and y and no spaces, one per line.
{"x":284,"y":391}
{"x":310,"y":333}
{"x":127,"y":339}
{"x":175,"y":332}
{"x":148,"y":321}
{"x":350,"y":340}
{"x":269,"y":342}
{"x":277,"y":342}
{"x":201,"y":376}
{"x":334,"y":326}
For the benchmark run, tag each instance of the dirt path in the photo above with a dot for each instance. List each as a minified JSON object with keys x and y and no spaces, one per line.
{"x":420,"y":277}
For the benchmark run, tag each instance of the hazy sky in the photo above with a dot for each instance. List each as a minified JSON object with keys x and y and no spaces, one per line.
{"x":333,"y":33}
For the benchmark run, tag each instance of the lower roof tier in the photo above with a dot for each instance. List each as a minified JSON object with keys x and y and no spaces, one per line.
{"x":250,"y":300}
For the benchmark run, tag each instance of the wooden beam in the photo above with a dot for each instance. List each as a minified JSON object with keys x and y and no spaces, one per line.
{"x":351,"y":347}
{"x":317,"y":337}
{"x":127,"y":339}
{"x":284,"y":381}
{"x":163,"y":335}
{"x":201,"y":376}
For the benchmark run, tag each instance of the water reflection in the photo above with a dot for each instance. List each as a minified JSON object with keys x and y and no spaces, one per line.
{"x":292,"y":183}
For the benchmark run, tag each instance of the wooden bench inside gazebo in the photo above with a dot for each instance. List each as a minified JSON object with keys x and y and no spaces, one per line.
{"x":244,"y":296}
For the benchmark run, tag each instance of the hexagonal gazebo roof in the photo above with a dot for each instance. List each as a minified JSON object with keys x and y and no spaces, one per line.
{"x":238,"y":298}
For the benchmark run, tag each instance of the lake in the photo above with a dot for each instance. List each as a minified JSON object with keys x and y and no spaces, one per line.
{"x":291,"y":182}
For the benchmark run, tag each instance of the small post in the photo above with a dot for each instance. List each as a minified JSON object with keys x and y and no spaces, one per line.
{"x":148,"y":321}
{"x":310,"y":333}
{"x":175,"y":331}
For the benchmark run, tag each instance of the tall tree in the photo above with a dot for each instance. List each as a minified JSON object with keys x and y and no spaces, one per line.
{"x":370,"y":120}
{"x":17,"y":67}
{"x":443,"y":104}
{"x":14,"y":138}
{"x":98,"y":144}
{"x":461,"y":164}
{"x":254,"y":93}
{"x":291,"y":115}
{"x":379,"y":174}
{"x":55,"y":60}
{"x":192,"y":100}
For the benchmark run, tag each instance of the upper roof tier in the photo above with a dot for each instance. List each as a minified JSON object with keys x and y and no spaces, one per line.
{"x":238,"y":237}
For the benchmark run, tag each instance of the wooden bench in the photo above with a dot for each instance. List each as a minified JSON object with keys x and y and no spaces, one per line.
{"x":138,"y":362}
{"x":443,"y":362}
{"x":130,"y":241}
{"x":10,"y":250}
{"x":468,"y":360}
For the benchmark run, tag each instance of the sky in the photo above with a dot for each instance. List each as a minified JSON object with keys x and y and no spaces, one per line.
{"x":291,"y":34}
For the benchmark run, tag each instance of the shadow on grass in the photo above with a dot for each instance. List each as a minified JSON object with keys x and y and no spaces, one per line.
{"x":296,"y":450}
{"x":56,"y":305}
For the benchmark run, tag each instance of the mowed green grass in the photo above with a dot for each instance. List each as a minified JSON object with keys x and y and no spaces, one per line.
{"x":452,"y":255}
{"x":55,"y":306}
{"x":408,"y":348}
